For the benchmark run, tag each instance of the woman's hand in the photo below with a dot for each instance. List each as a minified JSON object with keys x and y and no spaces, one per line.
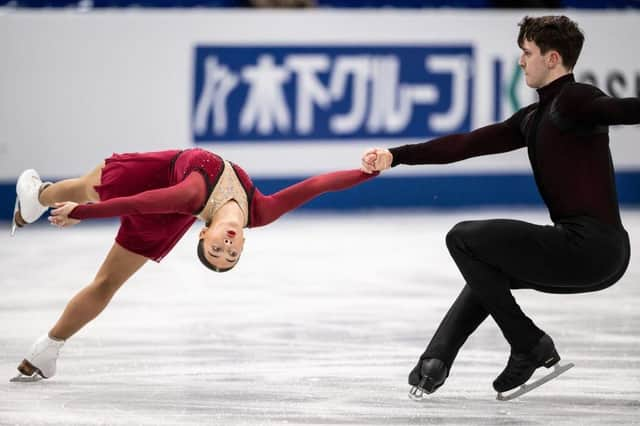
{"x":60,"y":214}
{"x":376,"y":160}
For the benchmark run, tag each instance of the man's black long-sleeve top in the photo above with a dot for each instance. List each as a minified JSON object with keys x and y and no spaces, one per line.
{"x":567,"y":139}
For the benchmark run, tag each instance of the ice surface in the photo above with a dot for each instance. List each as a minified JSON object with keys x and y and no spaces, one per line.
{"x":319,"y":324}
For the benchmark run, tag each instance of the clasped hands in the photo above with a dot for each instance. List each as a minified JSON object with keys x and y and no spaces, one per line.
{"x":376,"y":160}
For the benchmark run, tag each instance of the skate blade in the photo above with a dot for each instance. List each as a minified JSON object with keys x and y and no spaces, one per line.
{"x":526,"y":388}
{"x":419,"y":392}
{"x":14,"y":225}
{"x":416,"y":393}
{"x":21,"y":378}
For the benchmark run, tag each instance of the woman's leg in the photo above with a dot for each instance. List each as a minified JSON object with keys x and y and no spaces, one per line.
{"x":41,"y":359}
{"x":119,"y":265}
{"x":79,"y":190}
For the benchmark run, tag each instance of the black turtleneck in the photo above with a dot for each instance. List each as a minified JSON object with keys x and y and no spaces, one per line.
{"x":567,"y":140}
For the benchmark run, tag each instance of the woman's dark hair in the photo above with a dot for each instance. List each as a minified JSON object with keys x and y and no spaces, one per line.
{"x":553,"y":33}
{"x":208,"y":264}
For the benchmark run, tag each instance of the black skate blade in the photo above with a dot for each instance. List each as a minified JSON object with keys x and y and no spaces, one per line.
{"x":528,"y":387}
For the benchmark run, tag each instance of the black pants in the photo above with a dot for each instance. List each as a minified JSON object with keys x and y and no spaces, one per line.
{"x":576,"y":255}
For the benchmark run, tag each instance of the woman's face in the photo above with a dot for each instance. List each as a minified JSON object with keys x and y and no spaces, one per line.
{"x":223,"y":244}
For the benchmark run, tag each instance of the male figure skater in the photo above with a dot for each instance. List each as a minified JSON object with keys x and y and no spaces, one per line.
{"x":584,"y":249}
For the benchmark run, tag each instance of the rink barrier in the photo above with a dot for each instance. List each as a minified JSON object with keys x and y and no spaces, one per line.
{"x":416,"y":192}
{"x":317,"y":88}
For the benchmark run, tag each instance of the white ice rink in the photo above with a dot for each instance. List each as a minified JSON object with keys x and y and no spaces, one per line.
{"x":319,"y":324}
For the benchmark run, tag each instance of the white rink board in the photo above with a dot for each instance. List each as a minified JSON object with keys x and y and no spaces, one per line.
{"x":78,"y":86}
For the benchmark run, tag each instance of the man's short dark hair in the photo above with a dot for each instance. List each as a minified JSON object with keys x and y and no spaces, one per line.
{"x":553,"y":33}
{"x":206,"y":262}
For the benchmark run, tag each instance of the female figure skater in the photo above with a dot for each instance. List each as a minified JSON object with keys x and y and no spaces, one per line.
{"x":158,"y":196}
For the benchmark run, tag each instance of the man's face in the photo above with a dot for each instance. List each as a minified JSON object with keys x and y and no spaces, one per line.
{"x":535,"y":65}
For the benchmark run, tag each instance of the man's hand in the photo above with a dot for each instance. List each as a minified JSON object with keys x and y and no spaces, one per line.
{"x":376,"y":160}
{"x":60,"y":215}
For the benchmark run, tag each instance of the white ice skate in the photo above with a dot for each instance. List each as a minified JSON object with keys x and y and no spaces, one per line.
{"x":40,"y":362}
{"x":27,"y":208}
{"x":528,"y":387}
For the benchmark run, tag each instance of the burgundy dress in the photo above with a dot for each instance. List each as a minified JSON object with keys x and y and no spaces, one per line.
{"x":157,"y":196}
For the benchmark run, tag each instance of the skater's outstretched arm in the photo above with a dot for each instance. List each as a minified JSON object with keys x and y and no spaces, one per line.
{"x":268,"y":208}
{"x":584,"y":104}
{"x":493,"y":139}
{"x":186,"y":197}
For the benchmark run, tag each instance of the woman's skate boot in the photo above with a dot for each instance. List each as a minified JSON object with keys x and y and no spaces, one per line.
{"x":28,"y":208}
{"x":40,"y":362}
{"x":426,"y":377}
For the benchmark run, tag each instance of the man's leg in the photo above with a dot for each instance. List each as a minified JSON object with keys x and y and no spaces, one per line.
{"x":498,"y":255}
{"x":495,"y":256}
{"x":434,"y":365}
{"x":491,"y":287}
{"x":117,"y":268}
{"x":464,"y":316}
{"x":489,"y":254}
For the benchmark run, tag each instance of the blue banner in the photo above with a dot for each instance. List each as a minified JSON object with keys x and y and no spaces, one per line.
{"x":284,"y":93}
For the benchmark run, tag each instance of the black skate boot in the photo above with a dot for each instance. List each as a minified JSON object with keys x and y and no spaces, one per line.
{"x":426,"y":377}
{"x":521,"y":367}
